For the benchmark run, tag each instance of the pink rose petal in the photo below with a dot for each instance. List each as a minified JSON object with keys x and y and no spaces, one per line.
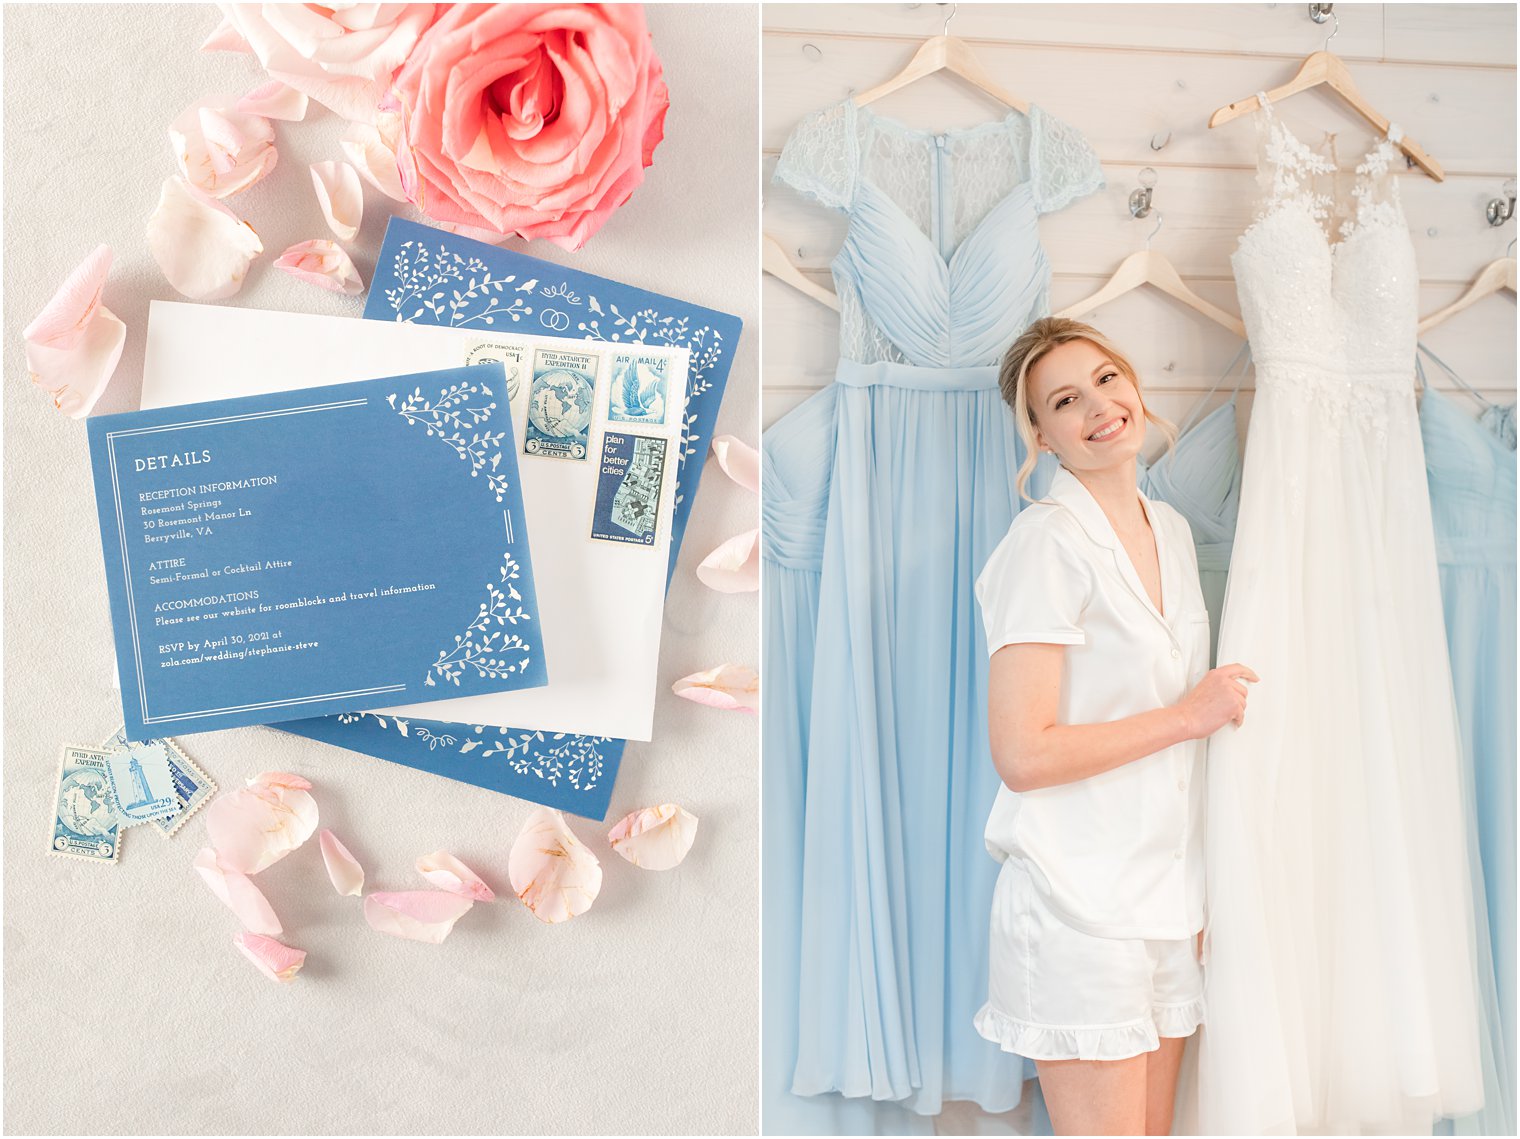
{"x":322,"y":263}
{"x":202,"y":247}
{"x":256,"y":826}
{"x":341,"y":197}
{"x":739,"y":461}
{"x":445,"y":872}
{"x":222,"y":151}
{"x":238,"y":893}
{"x":554,"y":873}
{"x":226,"y":38}
{"x":274,"y":100}
{"x":734,"y":567}
{"x":276,"y":961}
{"x":418,"y":915}
{"x":343,"y":869}
{"x":75,"y":342}
{"x":655,"y":838}
{"x":375,"y":158}
{"x":731,"y":687}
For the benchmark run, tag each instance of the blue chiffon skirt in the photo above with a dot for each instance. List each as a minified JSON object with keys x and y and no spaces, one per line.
{"x":884,"y":495}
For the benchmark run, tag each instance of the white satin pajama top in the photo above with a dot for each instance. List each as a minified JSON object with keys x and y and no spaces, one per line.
{"x":1118,"y":854}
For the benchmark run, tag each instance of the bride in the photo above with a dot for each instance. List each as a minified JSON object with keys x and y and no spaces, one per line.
{"x":1100,"y":698}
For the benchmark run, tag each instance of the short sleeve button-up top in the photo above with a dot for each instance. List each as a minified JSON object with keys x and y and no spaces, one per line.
{"x":1118,"y":854}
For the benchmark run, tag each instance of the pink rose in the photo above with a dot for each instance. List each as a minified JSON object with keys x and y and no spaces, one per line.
{"x":342,"y":56}
{"x":533,"y":119}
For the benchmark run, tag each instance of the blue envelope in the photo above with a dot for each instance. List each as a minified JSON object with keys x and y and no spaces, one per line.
{"x":324,"y":550}
{"x":427,"y":276}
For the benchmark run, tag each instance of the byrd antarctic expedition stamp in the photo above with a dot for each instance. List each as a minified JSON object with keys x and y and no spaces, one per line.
{"x":560,"y":404}
{"x":512,"y":357}
{"x":640,"y":386}
{"x":85,"y":824}
{"x":192,"y":786}
{"x":628,"y":488}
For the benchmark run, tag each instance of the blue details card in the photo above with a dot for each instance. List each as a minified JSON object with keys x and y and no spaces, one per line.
{"x":427,"y":276}
{"x":353,"y":546}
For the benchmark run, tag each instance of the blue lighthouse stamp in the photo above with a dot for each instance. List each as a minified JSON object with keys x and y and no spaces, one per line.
{"x":141,"y":784}
{"x":192,"y":786}
{"x":85,"y":823}
{"x":628,"y":488}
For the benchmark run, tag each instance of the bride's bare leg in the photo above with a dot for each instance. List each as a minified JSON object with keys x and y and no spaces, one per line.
{"x":1095,"y":1097}
{"x":1161,"y":1084}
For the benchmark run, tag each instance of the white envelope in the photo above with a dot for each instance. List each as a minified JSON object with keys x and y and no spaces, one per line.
{"x":601,"y":602}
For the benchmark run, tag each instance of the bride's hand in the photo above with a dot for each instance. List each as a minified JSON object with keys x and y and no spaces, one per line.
{"x":1216,"y":700}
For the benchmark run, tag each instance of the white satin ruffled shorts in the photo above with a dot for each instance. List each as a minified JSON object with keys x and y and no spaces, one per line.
{"x":1058,"y":994}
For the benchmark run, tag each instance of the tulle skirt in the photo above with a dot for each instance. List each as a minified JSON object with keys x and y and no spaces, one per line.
{"x":1340,"y":969}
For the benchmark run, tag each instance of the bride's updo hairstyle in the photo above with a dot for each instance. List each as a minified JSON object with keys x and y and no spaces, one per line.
{"x":1027,"y":351}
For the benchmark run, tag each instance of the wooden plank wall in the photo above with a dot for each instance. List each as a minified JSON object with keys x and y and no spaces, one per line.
{"x":1124,"y":73}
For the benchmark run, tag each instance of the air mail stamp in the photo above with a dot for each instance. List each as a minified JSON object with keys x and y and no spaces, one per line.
{"x":628,"y":488}
{"x":85,"y":823}
{"x":560,"y":404}
{"x":639,"y":389}
{"x":192,"y":786}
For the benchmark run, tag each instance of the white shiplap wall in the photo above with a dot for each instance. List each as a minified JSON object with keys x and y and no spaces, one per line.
{"x":1122,"y":73}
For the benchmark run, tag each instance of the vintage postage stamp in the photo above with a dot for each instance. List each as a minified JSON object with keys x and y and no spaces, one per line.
{"x":628,"y":488}
{"x":141,"y":785}
{"x":85,"y":824}
{"x":640,"y":386}
{"x":513,"y":358}
{"x":192,"y":786}
{"x":560,"y":404}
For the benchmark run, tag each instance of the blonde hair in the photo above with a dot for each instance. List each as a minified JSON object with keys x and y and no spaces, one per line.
{"x":1028,"y":350}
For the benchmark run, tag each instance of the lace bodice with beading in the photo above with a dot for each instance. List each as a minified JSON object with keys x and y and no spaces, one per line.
{"x":941,"y":265}
{"x":1331,"y":322}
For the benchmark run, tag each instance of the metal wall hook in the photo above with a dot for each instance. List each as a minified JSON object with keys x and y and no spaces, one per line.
{"x":1160,"y":139}
{"x":1140,"y":200}
{"x":1319,"y":13}
{"x":812,"y":52}
{"x":1500,"y":210}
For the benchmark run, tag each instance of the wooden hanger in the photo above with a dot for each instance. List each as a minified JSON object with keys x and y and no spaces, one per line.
{"x":1495,"y":277}
{"x":1147,"y":267}
{"x":773,"y":260}
{"x":1323,"y":69}
{"x":944,"y":52}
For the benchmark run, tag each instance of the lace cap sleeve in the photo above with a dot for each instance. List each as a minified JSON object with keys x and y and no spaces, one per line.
{"x":819,"y":157}
{"x":1062,"y":163}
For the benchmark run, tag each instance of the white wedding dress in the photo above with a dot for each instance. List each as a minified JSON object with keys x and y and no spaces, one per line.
{"x":1340,"y":959}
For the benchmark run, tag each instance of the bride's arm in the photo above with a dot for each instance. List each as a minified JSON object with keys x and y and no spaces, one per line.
{"x":1030,"y":749}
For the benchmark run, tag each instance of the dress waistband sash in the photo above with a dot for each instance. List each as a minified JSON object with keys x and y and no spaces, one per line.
{"x":854,"y":374}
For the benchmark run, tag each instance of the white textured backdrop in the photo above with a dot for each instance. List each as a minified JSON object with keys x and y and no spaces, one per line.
{"x":127,"y":1009}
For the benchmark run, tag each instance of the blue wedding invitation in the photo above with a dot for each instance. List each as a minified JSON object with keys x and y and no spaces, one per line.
{"x":427,"y":276}
{"x":330,"y":549}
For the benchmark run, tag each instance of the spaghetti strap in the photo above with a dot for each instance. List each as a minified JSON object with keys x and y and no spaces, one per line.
{"x":1450,"y":371}
{"x":1196,"y":413}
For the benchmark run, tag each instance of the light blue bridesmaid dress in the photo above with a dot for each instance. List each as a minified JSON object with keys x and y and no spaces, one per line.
{"x":883,"y":496}
{"x":1200,"y":478}
{"x":1470,"y":466}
